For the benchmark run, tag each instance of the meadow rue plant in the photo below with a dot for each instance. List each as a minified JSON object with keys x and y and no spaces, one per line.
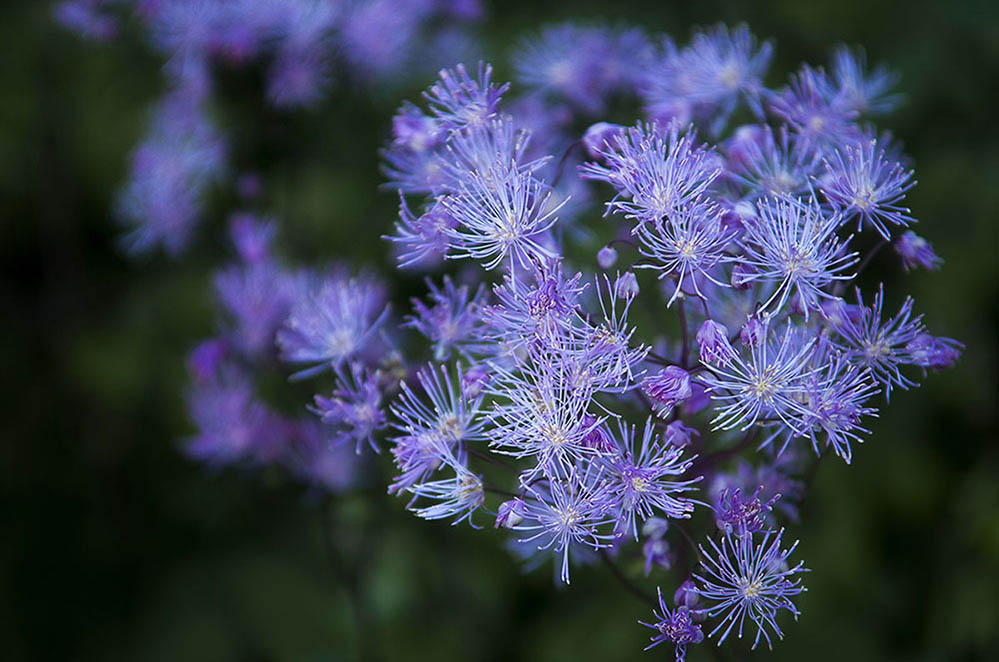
{"x":546,"y":381}
{"x":616,"y":411}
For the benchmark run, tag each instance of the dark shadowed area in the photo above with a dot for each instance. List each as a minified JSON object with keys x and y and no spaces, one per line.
{"x":116,"y":547}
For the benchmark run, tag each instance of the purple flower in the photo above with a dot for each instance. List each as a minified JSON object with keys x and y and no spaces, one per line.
{"x":601,"y":137}
{"x":657,"y":553}
{"x":862,"y":181}
{"x":252,"y":237}
{"x":916,"y":252}
{"x":752,"y":332}
{"x":256,"y":298}
{"x":709,"y":76}
{"x":87,"y":18}
{"x":713,"y":344}
{"x":510,"y":513}
{"x":812,"y":106}
{"x":458,"y":101}
{"x":687,"y":245}
{"x":793,"y":244}
{"x":740,"y":514}
{"x":565,"y":62}
{"x":422,"y":240}
{"x":686,"y":595}
{"x":745,"y":580}
{"x":644,"y":480}
{"x":457,"y":497}
{"x":571,"y":511}
{"x":863,"y":92}
{"x":667,"y":388}
{"x":332,"y":320}
{"x":501,"y":214}
{"x":354,"y":408}
{"x":233,"y":426}
{"x":436,"y":433}
{"x":452,"y":321}
{"x":768,"y":384}
{"x":171,"y":171}
{"x":771,"y":164}
{"x":204,"y":361}
{"x":626,"y":286}
{"x":674,"y":626}
{"x":656,"y":172}
{"x":328,"y":463}
{"x":882,"y":347}
{"x":834,"y":403}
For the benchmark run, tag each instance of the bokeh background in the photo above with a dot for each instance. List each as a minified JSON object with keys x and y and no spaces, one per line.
{"x":115,"y":547}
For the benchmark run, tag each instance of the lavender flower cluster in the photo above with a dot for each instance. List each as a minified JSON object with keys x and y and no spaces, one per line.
{"x":590,"y":433}
{"x":592,"y":410}
{"x":302,"y":46}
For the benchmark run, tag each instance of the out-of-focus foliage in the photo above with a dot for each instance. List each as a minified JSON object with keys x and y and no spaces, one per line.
{"x":116,"y":547}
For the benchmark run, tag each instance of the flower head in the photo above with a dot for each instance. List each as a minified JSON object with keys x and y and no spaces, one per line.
{"x":744,"y":580}
{"x":675,"y":626}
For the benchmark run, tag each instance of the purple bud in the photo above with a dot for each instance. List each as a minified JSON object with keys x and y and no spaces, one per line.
{"x":510,"y":513}
{"x":686,"y":595}
{"x":596,"y":437}
{"x":474,"y":380}
{"x":669,"y":387}
{"x":932,"y":352}
{"x":742,"y":276}
{"x":655,"y":527}
{"x":679,"y":435}
{"x":751,"y":334}
{"x":626,"y":286}
{"x":606,"y":257}
{"x":656,"y":552}
{"x":712,"y":341}
{"x":599,"y":135}
{"x":916,"y":252}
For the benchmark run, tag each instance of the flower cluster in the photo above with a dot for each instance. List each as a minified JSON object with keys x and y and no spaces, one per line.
{"x":301,"y":46}
{"x":588,"y":409}
{"x":561,"y":394}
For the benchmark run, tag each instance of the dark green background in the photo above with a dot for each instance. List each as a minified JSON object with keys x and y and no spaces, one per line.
{"x":114,"y":547}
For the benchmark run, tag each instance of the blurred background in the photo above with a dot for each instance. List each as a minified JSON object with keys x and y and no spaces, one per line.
{"x":116,"y":547}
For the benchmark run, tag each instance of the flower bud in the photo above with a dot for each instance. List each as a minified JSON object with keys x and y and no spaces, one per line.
{"x":932,"y":352}
{"x":606,"y":257}
{"x":712,"y":341}
{"x":669,"y":387}
{"x":742,"y":276}
{"x":510,"y":513}
{"x":751,"y":334}
{"x":626,"y":286}
{"x":474,"y":380}
{"x":679,"y":435}
{"x":655,"y":527}
{"x":916,"y":252}
{"x":686,"y":595}
{"x":656,"y":552}
{"x":599,"y":136}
